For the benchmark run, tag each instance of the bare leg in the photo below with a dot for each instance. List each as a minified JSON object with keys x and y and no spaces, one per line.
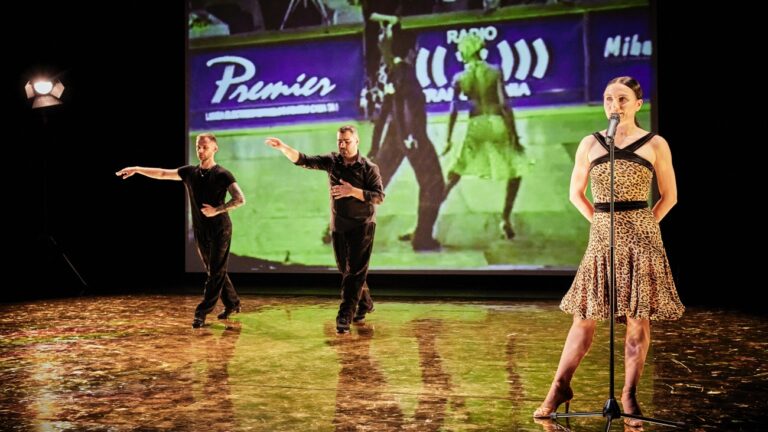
{"x":636,"y":345}
{"x":453,"y":178}
{"x":576,"y":347}
{"x":513,"y":185}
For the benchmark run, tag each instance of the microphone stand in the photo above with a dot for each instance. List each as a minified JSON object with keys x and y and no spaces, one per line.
{"x":611,"y":410}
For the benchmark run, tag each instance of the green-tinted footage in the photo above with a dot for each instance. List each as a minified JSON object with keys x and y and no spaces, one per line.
{"x":287,"y":212}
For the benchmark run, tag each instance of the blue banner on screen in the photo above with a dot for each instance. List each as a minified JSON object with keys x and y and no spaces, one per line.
{"x":619,"y":44}
{"x":275,"y":84}
{"x":541,"y":59}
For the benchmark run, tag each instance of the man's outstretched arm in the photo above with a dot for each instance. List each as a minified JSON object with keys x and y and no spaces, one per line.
{"x":155,"y":173}
{"x":291,"y":153}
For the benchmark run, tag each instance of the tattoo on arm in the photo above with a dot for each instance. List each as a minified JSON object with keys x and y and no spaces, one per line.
{"x":237,"y":198}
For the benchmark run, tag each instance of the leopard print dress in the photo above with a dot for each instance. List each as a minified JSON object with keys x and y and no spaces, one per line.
{"x":644,"y":285}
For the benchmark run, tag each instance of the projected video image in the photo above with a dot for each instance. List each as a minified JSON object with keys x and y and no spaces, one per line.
{"x":526,"y":83}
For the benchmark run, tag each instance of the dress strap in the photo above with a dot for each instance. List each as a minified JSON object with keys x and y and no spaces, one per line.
{"x":601,"y":140}
{"x":639,"y":143}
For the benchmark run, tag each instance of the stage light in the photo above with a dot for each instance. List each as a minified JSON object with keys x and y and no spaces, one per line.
{"x":45,"y":92}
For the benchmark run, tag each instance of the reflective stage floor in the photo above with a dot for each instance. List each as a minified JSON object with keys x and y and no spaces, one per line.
{"x":133,"y":363}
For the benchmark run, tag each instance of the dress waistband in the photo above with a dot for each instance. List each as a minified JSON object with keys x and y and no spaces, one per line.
{"x":605,"y":207}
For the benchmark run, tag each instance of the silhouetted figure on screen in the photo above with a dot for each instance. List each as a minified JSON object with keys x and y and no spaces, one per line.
{"x":404,"y":117}
{"x":375,"y":67}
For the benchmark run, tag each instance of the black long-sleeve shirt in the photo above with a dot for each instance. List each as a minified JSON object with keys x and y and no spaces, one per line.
{"x":349,"y":212}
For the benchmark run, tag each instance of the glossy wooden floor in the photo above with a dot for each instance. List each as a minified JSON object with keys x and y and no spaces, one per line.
{"x":134,"y":363}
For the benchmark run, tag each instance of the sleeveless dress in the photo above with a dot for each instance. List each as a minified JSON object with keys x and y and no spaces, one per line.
{"x":487,"y":150}
{"x":644,"y":285}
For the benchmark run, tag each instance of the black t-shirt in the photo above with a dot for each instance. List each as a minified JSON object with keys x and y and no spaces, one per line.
{"x":349,"y":212}
{"x":206,"y":187}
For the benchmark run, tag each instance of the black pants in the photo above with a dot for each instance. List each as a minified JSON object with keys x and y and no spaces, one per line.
{"x":353,"y":252}
{"x":213,"y":246}
{"x":426,"y":167}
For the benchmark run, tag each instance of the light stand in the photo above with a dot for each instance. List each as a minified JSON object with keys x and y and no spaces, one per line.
{"x":611,"y":410}
{"x":319,"y":5}
{"x":46,"y":93}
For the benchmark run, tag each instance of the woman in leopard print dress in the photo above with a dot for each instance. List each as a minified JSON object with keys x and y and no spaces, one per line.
{"x":645,"y":289}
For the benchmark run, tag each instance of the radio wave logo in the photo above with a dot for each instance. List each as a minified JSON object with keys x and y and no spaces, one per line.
{"x":522,"y":60}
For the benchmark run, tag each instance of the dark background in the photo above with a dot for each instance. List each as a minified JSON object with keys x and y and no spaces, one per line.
{"x":124,"y":105}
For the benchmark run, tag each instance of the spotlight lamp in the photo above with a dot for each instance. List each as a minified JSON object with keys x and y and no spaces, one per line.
{"x":44,"y":92}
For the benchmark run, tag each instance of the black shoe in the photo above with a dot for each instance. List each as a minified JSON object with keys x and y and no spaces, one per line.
{"x":427,"y":244}
{"x":360,"y":315}
{"x":227,"y":312}
{"x":198,"y":322}
{"x":342,"y":325}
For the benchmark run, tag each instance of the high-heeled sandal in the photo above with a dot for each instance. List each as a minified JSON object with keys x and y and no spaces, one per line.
{"x":633,"y":423}
{"x":545,"y":411}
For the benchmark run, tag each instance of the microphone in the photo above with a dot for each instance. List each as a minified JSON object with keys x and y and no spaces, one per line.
{"x":612,"y":123}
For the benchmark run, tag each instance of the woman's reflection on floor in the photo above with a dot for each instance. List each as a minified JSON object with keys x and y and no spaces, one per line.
{"x":516,"y":389}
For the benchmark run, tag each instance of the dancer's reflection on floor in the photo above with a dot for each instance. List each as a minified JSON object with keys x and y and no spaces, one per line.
{"x":363,"y":399}
{"x":217,"y":352}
